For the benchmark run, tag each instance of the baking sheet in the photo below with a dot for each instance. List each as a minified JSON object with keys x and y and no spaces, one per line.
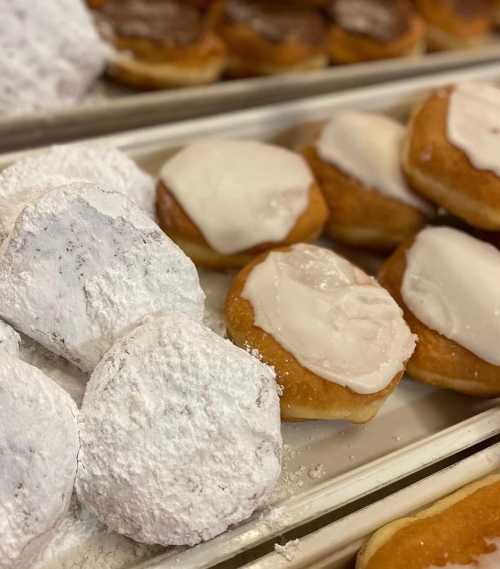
{"x":335,"y":546}
{"x":113,"y":108}
{"x":326,"y":464}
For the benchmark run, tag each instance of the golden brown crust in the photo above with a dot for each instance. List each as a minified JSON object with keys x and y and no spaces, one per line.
{"x":443,"y":173}
{"x":305,"y":394}
{"x":347,"y":47}
{"x":438,"y":360}
{"x":453,"y":531}
{"x":176,"y":223}
{"x":360,"y":215}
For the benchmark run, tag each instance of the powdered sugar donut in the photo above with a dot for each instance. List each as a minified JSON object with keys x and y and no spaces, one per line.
{"x":83,"y":265}
{"x":98,"y":163}
{"x":192,"y":423}
{"x":39,"y":447}
{"x":9,"y":340}
{"x":50,"y":53}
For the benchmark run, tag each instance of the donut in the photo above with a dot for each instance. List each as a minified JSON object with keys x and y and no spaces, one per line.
{"x":225,"y":201}
{"x":446,"y":283}
{"x":450,"y":155}
{"x":336,"y":339}
{"x":356,"y":160}
{"x":455,"y":24}
{"x":82,"y":265}
{"x":368,"y":30}
{"x":192,"y":423}
{"x":39,"y":448}
{"x":161,"y":43}
{"x":266,"y":37}
{"x":458,"y":532}
{"x":50,"y":54}
{"x":9,"y":340}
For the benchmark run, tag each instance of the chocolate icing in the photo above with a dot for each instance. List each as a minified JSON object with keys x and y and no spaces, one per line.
{"x":277,"y":22}
{"x":384,"y":20}
{"x":160,"y":20}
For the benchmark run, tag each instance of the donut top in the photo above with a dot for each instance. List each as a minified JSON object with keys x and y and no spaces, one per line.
{"x":473,"y":124}
{"x":332,"y":317}
{"x":171,"y":20}
{"x":384,"y":20}
{"x":451,"y":285}
{"x":367,"y":147}
{"x":239,"y":193}
{"x":489,"y":560}
{"x":276,"y":22}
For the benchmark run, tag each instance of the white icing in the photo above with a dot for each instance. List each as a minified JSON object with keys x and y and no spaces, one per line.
{"x":368,"y":147}
{"x":83,"y":265}
{"x":484,"y":561}
{"x":337,"y":321}
{"x":9,"y":340}
{"x":50,"y":53}
{"x":451,"y":284}
{"x":192,"y":424}
{"x":474,"y":124}
{"x":239,"y":193}
{"x":38,"y":450}
{"x":100,"y":164}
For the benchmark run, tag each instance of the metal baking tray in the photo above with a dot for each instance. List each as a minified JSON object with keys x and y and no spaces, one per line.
{"x":335,"y":546}
{"x":327,"y":465}
{"x":112,"y":108}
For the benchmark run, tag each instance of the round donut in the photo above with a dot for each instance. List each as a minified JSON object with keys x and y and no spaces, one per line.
{"x":368,"y":30}
{"x":265,"y":37}
{"x":439,"y":360}
{"x":50,"y":54}
{"x":209,"y":179}
{"x":307,"y":394}
{"x":455,"y":24}
{"x":161,"y":43}
{"x":39,"y":448}
{"x":443,"y":172}
{"x":192,"y":423}
{"x":356,"y":160}
{"x":461,"y":530}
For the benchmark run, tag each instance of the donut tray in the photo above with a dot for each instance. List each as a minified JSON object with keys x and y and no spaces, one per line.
{"x":112,"y":108}
{"x":326,"y":465}
{"x":335,"y":545}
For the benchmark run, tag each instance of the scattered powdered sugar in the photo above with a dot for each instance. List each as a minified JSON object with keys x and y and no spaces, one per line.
{"x":317,"y":472}
{"x":9,"y":340}
{"x":192,"y":423}
{"x":83,"y":265}
{"x":50,"y":53}
{"x":289,"y":550}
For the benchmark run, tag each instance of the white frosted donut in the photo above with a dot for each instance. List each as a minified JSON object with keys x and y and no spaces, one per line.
{"x":180,"y":434}
{"x":38,"y":450}
{"x":50,"y":53}
{"x":9,"y":340}
{"x":83,"y":265}
{"x":101,"y":164}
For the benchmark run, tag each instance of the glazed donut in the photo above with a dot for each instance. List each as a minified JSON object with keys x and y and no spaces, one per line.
{"x":161,"y":43}
{"x":356,"y":160}
{"x":450,"y":155}
{"x":336,"y":339}
{"x":446,"y":283}
{"x":455,"y":24}
{"x":367,"y":30}
{"x":210,"y":415}
{"x":225,"y":201}
{"x":50,"y":54}
{"x":264,"y":37}
{"x":460,"y":531}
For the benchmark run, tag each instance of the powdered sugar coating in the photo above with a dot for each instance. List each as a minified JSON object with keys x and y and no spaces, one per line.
{"x":192,"y":423}
{"x":9,"y":340}
{"x":39,"y":445}
{"x":50,"y":53}
{"x":83,"y":265}
{"x":99,"y":163}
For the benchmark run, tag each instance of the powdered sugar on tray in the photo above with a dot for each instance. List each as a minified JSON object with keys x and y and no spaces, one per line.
{"x":289,"y":550}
